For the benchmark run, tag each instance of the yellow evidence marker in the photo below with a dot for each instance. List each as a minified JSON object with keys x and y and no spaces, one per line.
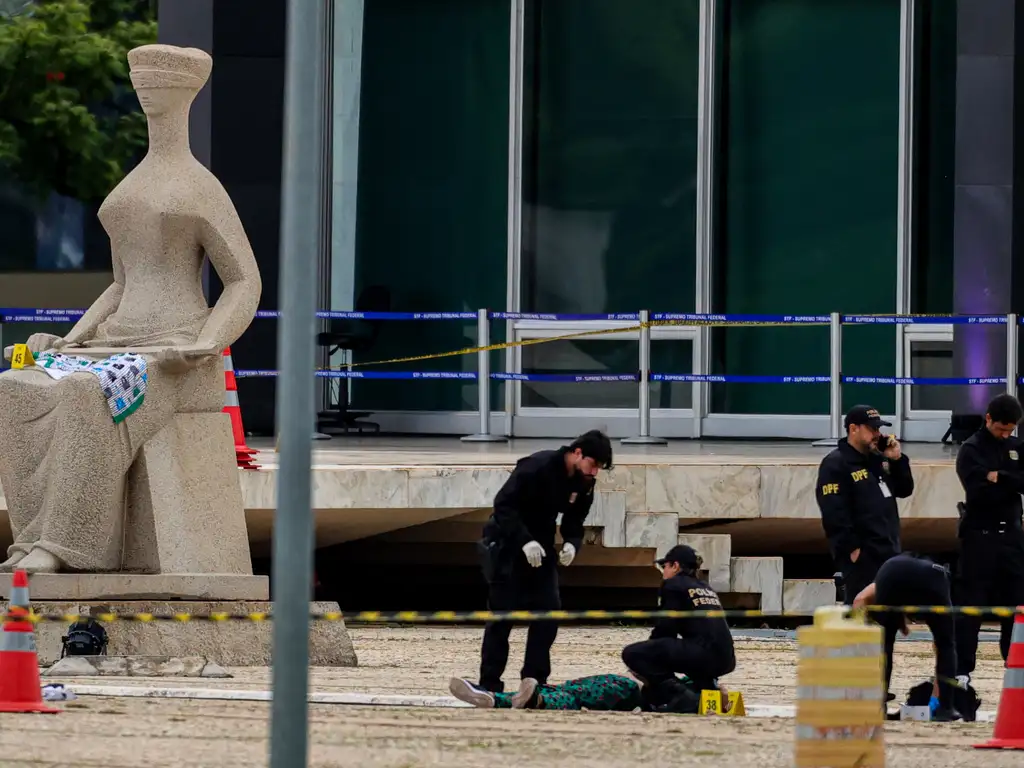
{"x":736,"y":706}
{"x":21,"y":357}
{"x":710,"y":703}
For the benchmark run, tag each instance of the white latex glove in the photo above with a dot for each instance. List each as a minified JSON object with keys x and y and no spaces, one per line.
{"x":567,"y":554}
{"x":534,"y":553}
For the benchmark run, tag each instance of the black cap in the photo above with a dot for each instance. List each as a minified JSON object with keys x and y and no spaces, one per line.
{"x":865,"y":414}
{"x":686,"y":556}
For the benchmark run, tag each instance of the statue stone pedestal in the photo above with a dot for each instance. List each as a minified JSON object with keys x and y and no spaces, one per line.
{"x":229,"y":643}
{"x":142,"y":586}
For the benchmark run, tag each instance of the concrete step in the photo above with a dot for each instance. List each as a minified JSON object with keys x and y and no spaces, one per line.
{"x":805,"y":595}
{"x":659,"y":530}
{"x":762,"y":575}
{"x":716,"y":551}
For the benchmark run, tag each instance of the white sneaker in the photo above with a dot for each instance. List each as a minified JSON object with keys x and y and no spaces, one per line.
{"x":464,"y":690}
{"x":522,"y":698}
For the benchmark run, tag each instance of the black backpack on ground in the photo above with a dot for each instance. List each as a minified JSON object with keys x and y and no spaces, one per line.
{"x":965,"y":700}
{"x":85,"y":638}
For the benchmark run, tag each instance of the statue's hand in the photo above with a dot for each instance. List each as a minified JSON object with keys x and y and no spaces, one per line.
{"x":42,"y":342}
{"x":180,"y":359}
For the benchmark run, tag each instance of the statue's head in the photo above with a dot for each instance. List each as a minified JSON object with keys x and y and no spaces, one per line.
{"x":166,"y":77}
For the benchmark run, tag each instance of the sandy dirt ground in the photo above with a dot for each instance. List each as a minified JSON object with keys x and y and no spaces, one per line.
{"x":126,"y":732}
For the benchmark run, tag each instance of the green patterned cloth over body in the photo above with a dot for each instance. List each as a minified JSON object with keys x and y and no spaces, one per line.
{"x":609,"y":693}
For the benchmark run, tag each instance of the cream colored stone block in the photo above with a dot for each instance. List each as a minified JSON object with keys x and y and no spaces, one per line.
{"x":337,"y":487}
{"x":184,"y":511}
{"x":350,"y":488}
{"x":142,"y":586}
{"x":704,"y":492}
{"x":788,"y":492}
{"x":805,"y":595}
{"x":758,"y":575}
{"x":609,"y":513}
{"x":630,"y":479}
{"x":652,"y":529}
{"x":136,"y":666}
{"x":455,"y":487}
{"x":716,"y":551}
{"x":937,"y":489}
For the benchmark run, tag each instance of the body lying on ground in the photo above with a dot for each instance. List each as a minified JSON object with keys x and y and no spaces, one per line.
{"x":599,"y":693}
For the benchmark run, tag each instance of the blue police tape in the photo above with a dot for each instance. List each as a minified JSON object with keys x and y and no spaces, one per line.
{"x":332,"y":315}
{"x":715,"y":378}
{"x":457,"y":375}
{"x":30,"y":315}
{"x":924,"y":320}
{"x":14,"y":315}
{"x":712,"y":378}
{"x":565,"y":377}
{"x":549,"y":316}
{"x":925,"y":381}
{"x":322,"y":374}
{"x":684,"y":317}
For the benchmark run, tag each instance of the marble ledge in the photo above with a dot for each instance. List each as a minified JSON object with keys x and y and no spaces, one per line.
{"x":728,"y":491}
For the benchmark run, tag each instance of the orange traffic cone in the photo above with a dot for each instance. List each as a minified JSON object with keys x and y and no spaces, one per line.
{"x":20,"y":690}
{"x":1009,"y":731}
{"x":243,"y":453}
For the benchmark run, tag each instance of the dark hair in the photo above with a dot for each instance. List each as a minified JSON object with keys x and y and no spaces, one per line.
{"x":1004,"y":409}
{"x":595,"y":445}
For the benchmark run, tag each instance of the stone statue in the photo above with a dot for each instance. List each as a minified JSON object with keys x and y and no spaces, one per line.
{"x":80,"y":487}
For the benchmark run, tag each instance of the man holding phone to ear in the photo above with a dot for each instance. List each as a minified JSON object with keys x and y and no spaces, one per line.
{"x":858,"y":484}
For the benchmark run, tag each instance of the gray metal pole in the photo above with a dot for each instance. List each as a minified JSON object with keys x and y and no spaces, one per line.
{"x":644,"y":399}
{"x":293,"y":522}
{"x":483,"y":380}
{"x":835,"y":398}
{"x":1011,"y":353}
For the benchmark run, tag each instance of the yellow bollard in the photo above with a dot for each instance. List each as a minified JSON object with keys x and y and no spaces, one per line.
{"x":840,"y":721}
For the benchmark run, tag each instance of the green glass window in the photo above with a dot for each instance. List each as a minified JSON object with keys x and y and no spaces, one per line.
{"x":807,"y":182}
{"x":609,"y":159}
{"x":935,"y":154}
{"x":432,"y":185}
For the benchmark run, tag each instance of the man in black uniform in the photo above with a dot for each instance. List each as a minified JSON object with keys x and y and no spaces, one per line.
{"x":991,"y":565}
{"x":518,"y":547}
{"x":858,"y":484}
{"x":700,"y":648}
{"x":914,"y":580}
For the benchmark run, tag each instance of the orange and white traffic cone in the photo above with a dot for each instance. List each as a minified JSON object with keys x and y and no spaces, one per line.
{"x":243,"y":453}
{"x":20,"y":690}
{"x":1009,"y":730}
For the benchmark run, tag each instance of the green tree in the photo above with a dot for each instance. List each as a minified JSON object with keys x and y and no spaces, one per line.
{"x":69,"y":120}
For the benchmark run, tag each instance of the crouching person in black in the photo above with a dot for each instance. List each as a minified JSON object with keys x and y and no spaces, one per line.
{"x":700,"y":648}
{"x":913,"y":580}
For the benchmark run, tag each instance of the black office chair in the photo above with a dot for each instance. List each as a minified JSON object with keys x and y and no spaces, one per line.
{"x":353,"y":336}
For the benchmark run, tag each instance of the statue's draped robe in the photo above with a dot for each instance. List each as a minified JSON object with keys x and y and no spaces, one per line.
{"x":63,"y":460}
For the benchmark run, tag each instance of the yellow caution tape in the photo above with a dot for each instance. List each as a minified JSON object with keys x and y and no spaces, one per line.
{"x":580,"y":335}
{"x":469,"y":617}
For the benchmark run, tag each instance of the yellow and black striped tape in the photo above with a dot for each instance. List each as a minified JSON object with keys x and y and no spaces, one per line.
{"x":581,"y":335}
{"x":470,"y":617}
